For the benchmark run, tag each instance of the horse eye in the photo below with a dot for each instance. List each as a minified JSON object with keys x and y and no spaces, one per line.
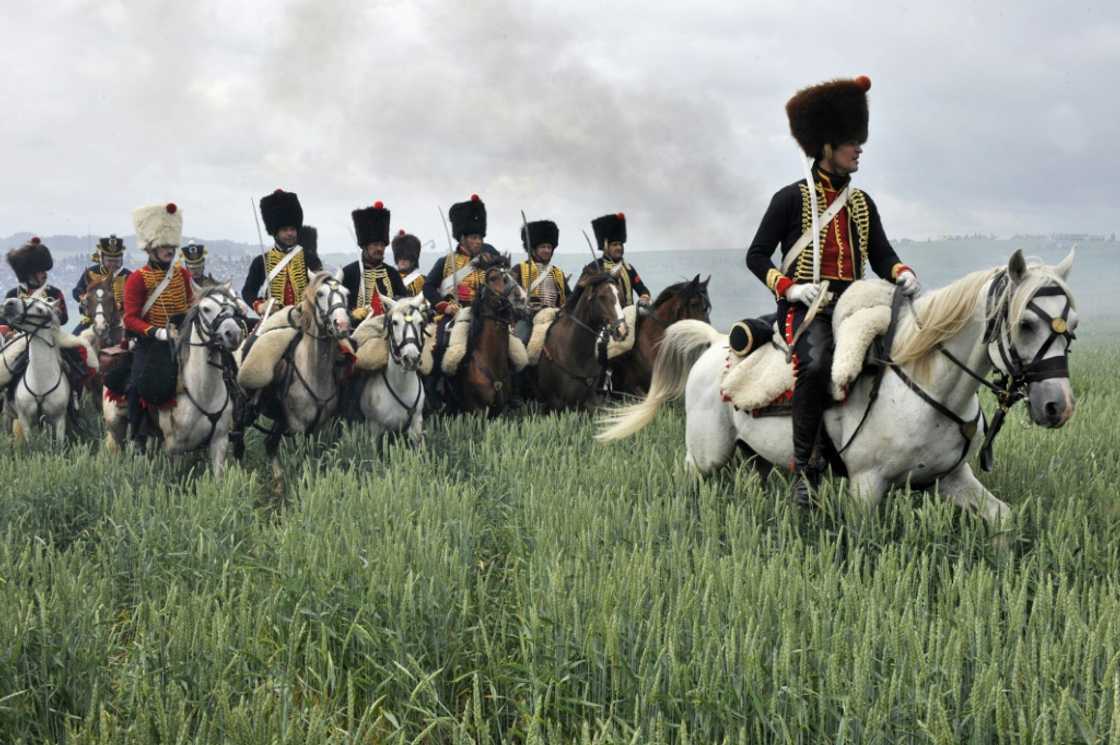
{"x":1026,"y":326}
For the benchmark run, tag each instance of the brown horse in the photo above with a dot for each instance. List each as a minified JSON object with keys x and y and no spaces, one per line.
{"x":570,"y":366}
{"x":106,"y":329}
{"x":484,"y":380}
{"x":630,"y":373}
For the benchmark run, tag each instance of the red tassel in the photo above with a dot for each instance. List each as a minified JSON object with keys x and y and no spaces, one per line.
{"x":864,"y":82}
{"x":474,"y":198}
{"x":378,"y":205}
{"x":171,"y":208}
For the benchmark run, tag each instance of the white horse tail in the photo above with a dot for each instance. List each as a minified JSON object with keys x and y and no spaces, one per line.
{"x":683,"y":344}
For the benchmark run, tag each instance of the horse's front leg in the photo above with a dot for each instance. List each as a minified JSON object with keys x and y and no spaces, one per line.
{"x":962,"y":486}
{"x":416,"y":427}
{"x":867,"y":489}
{"x":218,"y":445}
{"x":60,"y":429}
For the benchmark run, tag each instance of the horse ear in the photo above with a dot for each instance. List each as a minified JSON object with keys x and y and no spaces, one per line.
{"x":707,"y":279}
{"x":696,"y":279}
{"x":338,"y":274}
{"x":1063,"y":267}
{"x":387,"y":303}
{"x":1017,"y":267}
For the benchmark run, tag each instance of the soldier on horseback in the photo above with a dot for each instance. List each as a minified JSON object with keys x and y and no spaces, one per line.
{"x":278,"y":277}
{"x":31,"y":262}
{"x":370,"y":277}
{"x":156,"y":297}
{"x":610,"y":238}
{"x":194,"y":259}
{"x":406,"y":254}
{"x":546,"y":284}
{"x":108,"y":262}
{"x":829,"y":123}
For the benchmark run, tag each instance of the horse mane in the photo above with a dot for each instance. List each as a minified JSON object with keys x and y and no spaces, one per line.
{"x":945,"y":312}
{"x":595,"y":277}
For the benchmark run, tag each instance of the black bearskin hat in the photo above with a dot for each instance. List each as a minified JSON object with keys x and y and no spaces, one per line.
{"x":111,"y":246}
{"x":309,"y":238}
{"x":30,"y":258}
{"x":281,"y":209}
{"x":371,"y":224}
{"x":406,"y":246}
{"x":829,"y":114}
{"x":468,"y":218}
{"x":540,"y":231}
{"x":609,"y":228}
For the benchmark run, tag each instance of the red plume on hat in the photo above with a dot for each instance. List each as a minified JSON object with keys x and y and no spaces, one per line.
{"x":830,"y":113}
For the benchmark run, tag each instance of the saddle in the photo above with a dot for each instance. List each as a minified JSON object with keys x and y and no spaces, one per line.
{"x":457,"y":340}
{"x":763,"y":380}
{"x":619,"y":348}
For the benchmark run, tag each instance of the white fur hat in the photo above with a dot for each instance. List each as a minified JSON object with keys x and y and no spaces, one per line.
{"x":158,"y":225}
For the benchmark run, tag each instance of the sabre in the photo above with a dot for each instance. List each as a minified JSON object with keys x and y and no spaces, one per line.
{"x":591,"y":248}
{"x":811,"y":184}
{"x":264,"y":259}
{"x":810,"y":314}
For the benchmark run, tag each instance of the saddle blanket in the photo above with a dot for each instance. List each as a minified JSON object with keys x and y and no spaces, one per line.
{"x":261,"y":353}
{"x":763,"y":377}
{"x":15,"y":347}
{"x":456,"y":350}
{"x":372,"y":353}
{"x":544,"y":320}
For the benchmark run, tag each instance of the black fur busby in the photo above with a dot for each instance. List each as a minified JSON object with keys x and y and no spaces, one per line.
{"x":468,"y":218}
{"x":111,"y":246}
{"x":406,"y":246}
{"x":829,"y":114}
{"x":540,"y":231}
{"x":30,"y":258}
{"x":281,"y":209}
{"x":309,"y":239}
{"x":371,"y":224}
{"x":609,"y":228}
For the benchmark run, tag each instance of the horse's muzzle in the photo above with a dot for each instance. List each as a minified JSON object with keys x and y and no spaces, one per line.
{"x":11,"y":307}
{"x":1051,"y":402}
{"x":620,"y":331}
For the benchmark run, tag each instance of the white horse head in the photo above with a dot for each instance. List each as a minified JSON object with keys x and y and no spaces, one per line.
{"x":404,"y":327}
{"x":1031,"y":344}
{"x":217,"y":313}
{"x":325,"y":303}
{"x":31,"y":313}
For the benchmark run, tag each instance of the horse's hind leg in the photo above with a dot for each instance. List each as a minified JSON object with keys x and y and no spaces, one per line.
{"x":962,"y":486}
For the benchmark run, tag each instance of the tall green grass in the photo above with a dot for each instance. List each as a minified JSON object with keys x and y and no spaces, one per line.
{"x":514,"y":582}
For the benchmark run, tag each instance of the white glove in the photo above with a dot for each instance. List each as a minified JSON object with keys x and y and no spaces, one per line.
{"x":909,"y":283}
{"x":804,"y":294}
{"x":161,"y":335}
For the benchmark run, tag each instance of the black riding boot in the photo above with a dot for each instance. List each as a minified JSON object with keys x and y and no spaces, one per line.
{"x":810,"y":392}
{"x":136,"y":422}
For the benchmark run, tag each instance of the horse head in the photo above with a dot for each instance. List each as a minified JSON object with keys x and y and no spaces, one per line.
{"x":600,"y":293}
{"x":100,"y":305}
{"x":685,"y":300}
{"x":217,"y":315}
{"x":499,"y":282}
{"x":32,"y":313}
{"x":325,"y":305}
{"x":404,"y":327}
{"x":1030,"y":336}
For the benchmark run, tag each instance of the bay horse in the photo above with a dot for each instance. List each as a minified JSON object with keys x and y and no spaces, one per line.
{"x":1017,"y":320}
{"x":630,"y":373}
{"x":570,"y":367}
{"x":106,"y":330}
{"x":484,"y":380}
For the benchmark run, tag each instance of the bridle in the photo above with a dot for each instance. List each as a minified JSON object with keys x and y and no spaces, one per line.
{"x":32,"y":327}
{"x":336,"y":300}
{"x":414,"y":334}
{"x":207,"y":331}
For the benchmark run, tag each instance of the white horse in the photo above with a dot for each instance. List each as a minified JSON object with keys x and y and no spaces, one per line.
{"x":392,"y":400}
{"x":202,"y":415}
{"x":43,"y":392}
{"x":306,"y":387}
{"x":926,"y":421}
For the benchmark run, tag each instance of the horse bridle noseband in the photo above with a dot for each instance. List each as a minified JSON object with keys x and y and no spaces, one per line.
{"x":336,"y":300}
{"x":225,"y":363}
{"x":414,"y":334}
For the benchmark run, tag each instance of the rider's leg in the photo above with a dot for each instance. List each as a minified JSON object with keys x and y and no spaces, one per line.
{"x":135,"y":409}
{"x":813,"y":366}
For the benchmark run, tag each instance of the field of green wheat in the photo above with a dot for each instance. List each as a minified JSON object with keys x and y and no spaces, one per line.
{"x":514,"y":582}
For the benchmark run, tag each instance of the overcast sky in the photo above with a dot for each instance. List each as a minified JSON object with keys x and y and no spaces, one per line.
{"x":985,"y":116}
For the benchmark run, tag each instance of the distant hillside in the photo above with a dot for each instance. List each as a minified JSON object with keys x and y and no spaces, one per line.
{"x":68,"y":245}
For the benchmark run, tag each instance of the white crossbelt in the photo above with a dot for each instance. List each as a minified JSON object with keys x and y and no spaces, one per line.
{"x":412,"y":277}
{"x":158,"y":289}
{"x":545,"y":270}
{"x":447,"y":286}
{"x":813,"y":233}
{"x":280,"y":266}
